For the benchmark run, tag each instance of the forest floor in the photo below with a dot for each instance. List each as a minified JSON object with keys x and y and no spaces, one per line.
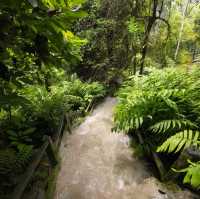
{"x":99,"y":164}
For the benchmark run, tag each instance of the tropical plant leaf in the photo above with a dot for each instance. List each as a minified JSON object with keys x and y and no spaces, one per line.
{"x":165,"y":125}
{"x":180,"y":141}
{"x":192,"y":174}
{"x":13,"y":100}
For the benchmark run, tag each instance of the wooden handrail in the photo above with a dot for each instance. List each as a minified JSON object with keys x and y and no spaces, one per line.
{"x":60,"y":131}
{"x":48,"y":147}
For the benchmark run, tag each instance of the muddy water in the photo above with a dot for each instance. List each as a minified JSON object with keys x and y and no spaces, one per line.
{"x":98,"y":164}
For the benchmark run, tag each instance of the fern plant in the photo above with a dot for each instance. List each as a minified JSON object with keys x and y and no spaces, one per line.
{"x":12,"y":161}
{"x":164,"y":107}
{"x":163,"y":102}
{"x":164,"y":125}
{"x":180,"y":141}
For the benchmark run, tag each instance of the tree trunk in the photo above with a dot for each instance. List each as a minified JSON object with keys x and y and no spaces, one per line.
{"x":194,"y":53}
{"x":181,"y":30}
{"x":151,"y":22}
{"x":145,"y":44}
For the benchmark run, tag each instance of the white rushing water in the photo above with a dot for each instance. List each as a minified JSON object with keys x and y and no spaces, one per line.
{"x":98,"y":164}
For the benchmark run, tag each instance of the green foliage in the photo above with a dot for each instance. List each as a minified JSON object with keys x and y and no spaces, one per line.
{"x":29,"y":123}
{"x":180,"y":141}
{"x":107,"y":50}
{"x":20,"y":136}
{"x":27,"y":126}
{"x":38,"y":52}
{"x":136,"y":31}
{"x":14,"y":162}
{"x":165,"y":125}
{"x":161,"y":99}
{"x":192,"y":174}
{"x":164,"y":108}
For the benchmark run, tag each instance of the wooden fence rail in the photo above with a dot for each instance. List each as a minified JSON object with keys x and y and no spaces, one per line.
{"x":48,"y":148}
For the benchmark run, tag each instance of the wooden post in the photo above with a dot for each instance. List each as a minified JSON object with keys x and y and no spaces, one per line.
{"x":89,"y":105}
{"x":60,"y":132}
{"x":159,"y":165}
{"x":68,"y":123}
{"x":51,"y":153}
{"x":49,"y":149}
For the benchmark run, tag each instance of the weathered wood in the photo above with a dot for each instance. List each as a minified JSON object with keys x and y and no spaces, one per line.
{"x":60,"y":132}
{"x":68,"y":123}
{"x":51,"y":153}
{"x":47,"y":147}
{"x":159,"y":165}
{"x":19,"y":190}
{"x":89,"y":105}
{"x":140,"y":138}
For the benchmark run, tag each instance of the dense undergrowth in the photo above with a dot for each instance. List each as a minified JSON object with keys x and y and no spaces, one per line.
{"x":40,"y":58}
{"x":23,"y":128}
{"x":37,"y":53}
{"x":164,"y":109}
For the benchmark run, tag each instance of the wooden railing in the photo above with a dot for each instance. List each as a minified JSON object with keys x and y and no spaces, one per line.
{"x":49,"y":148}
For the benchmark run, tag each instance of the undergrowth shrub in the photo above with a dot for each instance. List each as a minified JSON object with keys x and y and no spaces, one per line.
{"x":23,"y":129}
{"x":41,"y":115}
{"x":164,"y":108}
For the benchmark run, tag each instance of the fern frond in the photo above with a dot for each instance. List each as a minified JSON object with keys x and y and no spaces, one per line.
{"x":180,"y":141}
{"x":170,"y":103}
{"x":10,"y":161}
{"x":7,"y":157}
{"x":24,"y":156}
{"x":163,"y":126}
{"x":138,"y":122}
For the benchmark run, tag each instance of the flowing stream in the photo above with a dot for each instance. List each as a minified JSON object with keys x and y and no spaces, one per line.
{"x":98,"y":164}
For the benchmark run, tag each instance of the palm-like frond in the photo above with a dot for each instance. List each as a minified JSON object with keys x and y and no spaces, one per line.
{"x":10,"y":161}
{"x":180,"y":141}
{"x":165,"y":125}
{"x":165,"y":103}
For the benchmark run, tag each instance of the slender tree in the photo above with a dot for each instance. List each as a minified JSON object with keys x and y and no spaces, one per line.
{"x":156,"y":15}
{"x":181,"y":29}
